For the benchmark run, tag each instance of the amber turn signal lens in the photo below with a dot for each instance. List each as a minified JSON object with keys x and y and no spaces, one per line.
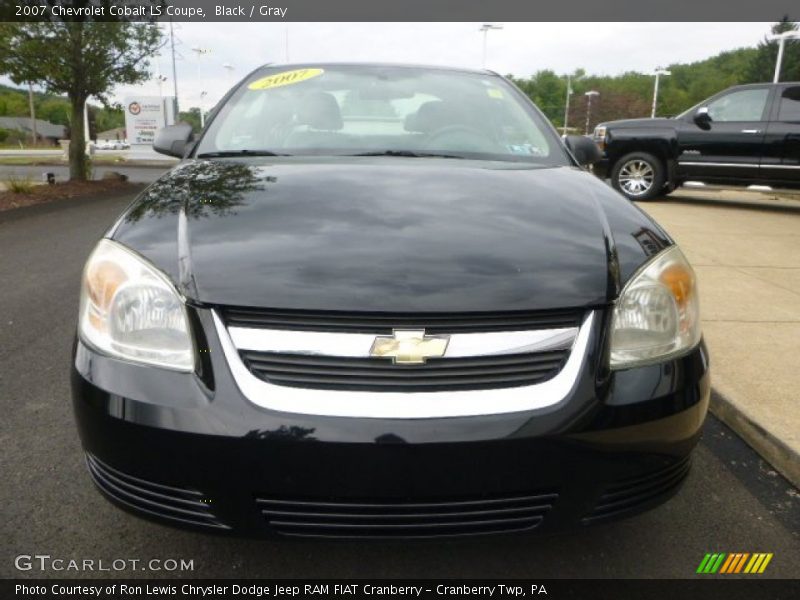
{"x":102,"y":282}
{"x":680,"y":281}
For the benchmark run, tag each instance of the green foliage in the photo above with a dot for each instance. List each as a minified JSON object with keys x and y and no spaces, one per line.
{"x":79,"y":59}
{"x":192,"y":117}
{"x":762,"y":67}
{"x":630,"y":95}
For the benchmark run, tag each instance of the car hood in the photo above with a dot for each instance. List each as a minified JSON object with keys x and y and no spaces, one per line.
{"x":395,"y":234}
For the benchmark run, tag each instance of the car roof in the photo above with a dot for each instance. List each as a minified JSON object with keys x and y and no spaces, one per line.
{"x":765,"y":83}
{"x":376,"y":64}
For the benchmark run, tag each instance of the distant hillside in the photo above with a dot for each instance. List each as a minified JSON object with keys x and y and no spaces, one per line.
{"x":14,"y":103}
{"x":631,"y":94}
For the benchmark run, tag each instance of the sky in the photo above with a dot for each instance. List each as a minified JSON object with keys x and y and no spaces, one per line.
{"x":518,"y":48}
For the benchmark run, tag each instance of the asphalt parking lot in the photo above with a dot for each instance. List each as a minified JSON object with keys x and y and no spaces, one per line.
{"x":732,"y":501}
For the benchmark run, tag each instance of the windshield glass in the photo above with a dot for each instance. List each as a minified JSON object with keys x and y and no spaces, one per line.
{"x":406,"y":111}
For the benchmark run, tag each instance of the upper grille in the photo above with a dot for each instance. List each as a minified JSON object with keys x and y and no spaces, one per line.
{"x":358,"y":519}
{"x":167,"y":502}
{"x":383,"y":323}
{"x":380,"y":374}
{"x":634,"y":493}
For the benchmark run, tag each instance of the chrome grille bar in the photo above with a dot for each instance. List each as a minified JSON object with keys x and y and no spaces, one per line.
{"x":404,"y":405}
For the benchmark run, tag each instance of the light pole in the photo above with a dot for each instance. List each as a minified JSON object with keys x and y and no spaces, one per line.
{"x":174,"y":70}
{"x":200,"y":51}
{"x":566,"y":102}
{"x":485,"y":30}
{"x":781,"y":38}
{"x":160,"y":79}
{"x":229,"y":68}
{"x":658,"y":73}
{"x":589,"y":95}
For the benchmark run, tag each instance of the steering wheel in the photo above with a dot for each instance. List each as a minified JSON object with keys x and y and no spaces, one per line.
{"x":482,"y":142}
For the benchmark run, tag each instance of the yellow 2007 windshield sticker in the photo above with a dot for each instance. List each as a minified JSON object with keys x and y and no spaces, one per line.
{"x":285,"y":78}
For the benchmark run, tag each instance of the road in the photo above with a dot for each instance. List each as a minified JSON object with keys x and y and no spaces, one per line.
{"x":732,"y":502}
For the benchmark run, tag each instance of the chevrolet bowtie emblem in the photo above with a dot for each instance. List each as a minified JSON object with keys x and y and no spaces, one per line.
{"x":409,"y":346}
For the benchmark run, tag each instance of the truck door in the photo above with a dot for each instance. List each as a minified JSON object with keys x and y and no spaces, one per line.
{"x":780,"y":165}
{"x":728,"y":149}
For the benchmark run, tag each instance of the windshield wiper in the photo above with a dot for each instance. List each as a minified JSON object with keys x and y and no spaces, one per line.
{"x":407,"y":153}
{"x":229,"y":153}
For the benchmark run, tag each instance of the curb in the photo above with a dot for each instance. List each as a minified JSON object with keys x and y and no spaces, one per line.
{"x":143,"y":164}
{"x":22,"y":212}
{"x":772,"y":449}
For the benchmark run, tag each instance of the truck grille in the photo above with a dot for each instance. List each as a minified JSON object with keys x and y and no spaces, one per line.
{"x":383,"y":323}
{"x":380,"y":374}
{"x":358,"y":519}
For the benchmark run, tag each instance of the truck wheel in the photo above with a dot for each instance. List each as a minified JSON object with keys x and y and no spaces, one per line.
{"x":639,"y":176}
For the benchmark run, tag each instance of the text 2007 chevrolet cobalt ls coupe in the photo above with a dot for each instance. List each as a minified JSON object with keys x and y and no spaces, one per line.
{"x":379,"y":301}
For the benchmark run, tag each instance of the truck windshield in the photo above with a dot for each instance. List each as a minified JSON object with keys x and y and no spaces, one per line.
{"x":379,"y":110}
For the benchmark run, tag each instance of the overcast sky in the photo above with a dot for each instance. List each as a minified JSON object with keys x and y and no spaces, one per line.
{"x":519,"y":48}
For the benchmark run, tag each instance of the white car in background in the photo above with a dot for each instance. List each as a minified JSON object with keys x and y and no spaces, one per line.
{"x":112,"y":145}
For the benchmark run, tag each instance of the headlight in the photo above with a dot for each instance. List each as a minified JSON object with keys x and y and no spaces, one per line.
{"x":599,"y":136}
{"x":657,"y":315}
{"x":130,"y":310}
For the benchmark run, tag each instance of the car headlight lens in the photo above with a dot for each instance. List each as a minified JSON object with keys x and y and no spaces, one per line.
{"x":657,"y":315}
{"x":599,"y":136}
{"x":130,"y":310}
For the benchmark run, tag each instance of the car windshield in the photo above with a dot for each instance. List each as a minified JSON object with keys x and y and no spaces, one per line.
{"x":380,"y":110}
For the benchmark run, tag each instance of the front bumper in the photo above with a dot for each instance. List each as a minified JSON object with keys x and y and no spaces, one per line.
{"x":602,"y":168}
{"x":191,"y":450}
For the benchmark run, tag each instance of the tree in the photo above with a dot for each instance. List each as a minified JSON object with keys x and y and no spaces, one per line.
{"x":192,"y":117}
{"x":762,"y":66}
{"x":79,"y":59}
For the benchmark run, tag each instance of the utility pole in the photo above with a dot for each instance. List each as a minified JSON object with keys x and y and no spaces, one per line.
{"x":33,"y":112}
{"x":658,"y":72}
{"x":174,"y":71}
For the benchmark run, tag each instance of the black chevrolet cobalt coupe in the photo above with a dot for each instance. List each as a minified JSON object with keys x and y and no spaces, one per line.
{"x":385,"y":301}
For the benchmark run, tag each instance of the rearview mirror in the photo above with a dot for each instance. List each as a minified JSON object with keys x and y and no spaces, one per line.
{"x":702,"y":119}
{"x":585,"y":151}
{"x":173,"y":140}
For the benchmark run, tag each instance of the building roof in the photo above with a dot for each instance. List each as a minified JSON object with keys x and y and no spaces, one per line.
{"x":43,"y":128}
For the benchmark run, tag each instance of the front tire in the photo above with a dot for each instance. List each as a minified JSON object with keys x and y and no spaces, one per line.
{"x":639,"y":176}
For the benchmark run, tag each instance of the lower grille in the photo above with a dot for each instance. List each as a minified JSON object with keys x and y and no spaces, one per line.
{"x":176,"y":504}
{"x":303,"y":518}
{"x":631,"y":494}
{"x":380,"y":374}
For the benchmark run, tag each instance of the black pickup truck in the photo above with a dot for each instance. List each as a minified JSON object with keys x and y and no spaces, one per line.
{"x":748,"y":135}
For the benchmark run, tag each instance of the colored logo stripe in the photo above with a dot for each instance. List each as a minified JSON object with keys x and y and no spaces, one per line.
{"x":711,"y":563}
{"x":735,"y":562}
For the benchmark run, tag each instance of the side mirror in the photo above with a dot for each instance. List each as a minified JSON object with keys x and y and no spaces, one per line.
{"x":701,"y":118}
{"x":585,"y":151}
{"x":173,"y":140}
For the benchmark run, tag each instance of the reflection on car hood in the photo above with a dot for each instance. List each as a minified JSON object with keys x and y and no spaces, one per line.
{"x":385,"y":234}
